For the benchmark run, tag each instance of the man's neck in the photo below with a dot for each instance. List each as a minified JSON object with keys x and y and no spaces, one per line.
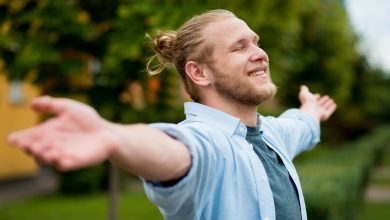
{"x":246,"y":114}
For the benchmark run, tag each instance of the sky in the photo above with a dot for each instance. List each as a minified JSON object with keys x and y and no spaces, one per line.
{"x":371,"y":21}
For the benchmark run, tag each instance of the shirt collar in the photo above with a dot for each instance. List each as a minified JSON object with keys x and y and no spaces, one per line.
{"x":215,"y":117}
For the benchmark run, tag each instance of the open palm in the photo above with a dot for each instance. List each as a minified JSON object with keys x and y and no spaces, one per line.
{"x":320,"y":107}
{"x":75,"y":137}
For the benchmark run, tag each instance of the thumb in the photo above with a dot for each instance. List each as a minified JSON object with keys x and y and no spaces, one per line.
{"x":303,"y":93}
{"x":48,"y":104}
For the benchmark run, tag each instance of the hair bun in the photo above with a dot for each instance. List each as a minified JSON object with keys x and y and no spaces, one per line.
{"x":163,"y":45}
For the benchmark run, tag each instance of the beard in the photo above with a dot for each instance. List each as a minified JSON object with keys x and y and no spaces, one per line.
{"x":240,"y":90}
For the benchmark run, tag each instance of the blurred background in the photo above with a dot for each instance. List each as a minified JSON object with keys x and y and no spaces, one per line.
{"x":95,"y":52}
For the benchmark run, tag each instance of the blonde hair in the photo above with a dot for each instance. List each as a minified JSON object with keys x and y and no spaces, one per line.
{"x":177,"y":47}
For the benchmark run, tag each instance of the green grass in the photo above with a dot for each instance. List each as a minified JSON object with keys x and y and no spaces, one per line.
{"x":386,"y":158}
{"x":132,"y":205}
{"x":375,"y":211}
{"x":380,"y":181}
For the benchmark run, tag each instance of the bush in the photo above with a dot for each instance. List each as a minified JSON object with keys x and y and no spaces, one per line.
{"x":333,"y":182}
{"x":87,"y":180}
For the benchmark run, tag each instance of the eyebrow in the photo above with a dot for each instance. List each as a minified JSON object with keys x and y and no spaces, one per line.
{"x":244,"y":40}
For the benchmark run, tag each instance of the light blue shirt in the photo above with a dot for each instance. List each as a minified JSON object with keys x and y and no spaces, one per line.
{"x":227,"y":181}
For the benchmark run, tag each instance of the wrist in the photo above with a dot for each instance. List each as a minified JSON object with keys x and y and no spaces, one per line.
{"x":312,"y":111}
{"x":111,"y":138}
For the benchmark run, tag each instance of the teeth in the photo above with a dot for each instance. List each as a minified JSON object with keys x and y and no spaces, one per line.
{"x":257,"y":73}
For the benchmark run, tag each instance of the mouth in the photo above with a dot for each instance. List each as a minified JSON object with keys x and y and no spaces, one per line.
{"x":258,"y":71}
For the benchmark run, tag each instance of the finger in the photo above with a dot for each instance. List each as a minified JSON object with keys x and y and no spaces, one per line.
{"x":326,"y":102}
{"x":328,"y":111}
{"x":14,"y":139}
{"x":64,"y":164}
{"x":22,"y":139}
{"x":37,"y":148}
{"x":329,"y":105}
{"x":49,"y":156}
{"x":304,"y":89}
{"x":42,"y":145}
{"x":67,"y":163}
{"x":47,"y":104}
{"x":331,"y":108}
{"x":323,"y":99}
{"x":52,"y":150}
{"x":304,"y":94}
{"x":31,"y":135}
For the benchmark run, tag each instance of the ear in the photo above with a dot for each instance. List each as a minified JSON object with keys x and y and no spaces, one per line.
{"x":197,"y":73}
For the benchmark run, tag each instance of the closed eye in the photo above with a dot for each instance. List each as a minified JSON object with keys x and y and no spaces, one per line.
{"x":239,"y":47}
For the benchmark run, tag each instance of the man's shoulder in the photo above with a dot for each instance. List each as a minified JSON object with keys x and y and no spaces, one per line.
{"x":200,"y":126}
{"x":190,"y":127}
{"x":284,"y":119}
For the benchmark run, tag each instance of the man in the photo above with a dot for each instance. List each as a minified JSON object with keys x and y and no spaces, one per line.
{"x":225,"y":161}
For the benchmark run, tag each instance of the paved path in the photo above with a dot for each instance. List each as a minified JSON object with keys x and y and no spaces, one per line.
{"x":44,"y":183}
{"x":379,"y":192}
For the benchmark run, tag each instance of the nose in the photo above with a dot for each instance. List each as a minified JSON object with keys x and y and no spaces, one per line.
{"x":258,"y":54}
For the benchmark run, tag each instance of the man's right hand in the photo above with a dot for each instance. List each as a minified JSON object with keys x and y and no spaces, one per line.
{"x":75,"y":137}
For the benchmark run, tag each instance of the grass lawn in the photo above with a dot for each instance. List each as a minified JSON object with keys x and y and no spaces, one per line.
{"x":132,"y":205}
{"x":375,"y":211}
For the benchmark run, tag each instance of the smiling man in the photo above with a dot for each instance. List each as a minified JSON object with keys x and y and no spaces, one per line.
{"x":238,"y":64}
{"x":224,"y":161}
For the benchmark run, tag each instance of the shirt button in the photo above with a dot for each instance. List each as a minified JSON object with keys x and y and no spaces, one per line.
{"x":242,"y":130}
{"x":266,"y":218}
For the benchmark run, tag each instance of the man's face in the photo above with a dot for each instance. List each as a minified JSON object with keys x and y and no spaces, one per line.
{"x":239,"y":66}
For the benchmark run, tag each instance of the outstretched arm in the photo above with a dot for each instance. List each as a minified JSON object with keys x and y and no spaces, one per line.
{"x":78,"y":137}
{"x":319,"y":107}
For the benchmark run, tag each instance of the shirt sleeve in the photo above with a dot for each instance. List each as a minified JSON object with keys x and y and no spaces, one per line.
{"x":300,"y":131}
{"x":181,"y":196}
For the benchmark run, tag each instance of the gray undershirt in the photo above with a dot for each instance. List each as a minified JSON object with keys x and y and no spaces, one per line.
{"x":282,"y":186}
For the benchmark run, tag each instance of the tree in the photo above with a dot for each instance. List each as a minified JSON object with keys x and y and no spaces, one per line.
{"x":95,"y":51}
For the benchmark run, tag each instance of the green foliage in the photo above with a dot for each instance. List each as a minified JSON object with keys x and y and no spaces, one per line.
{"x":334,"y":180}
{"x":84,"y":181}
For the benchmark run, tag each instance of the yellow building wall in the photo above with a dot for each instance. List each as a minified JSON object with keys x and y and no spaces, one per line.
{"x":14,"y":163}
